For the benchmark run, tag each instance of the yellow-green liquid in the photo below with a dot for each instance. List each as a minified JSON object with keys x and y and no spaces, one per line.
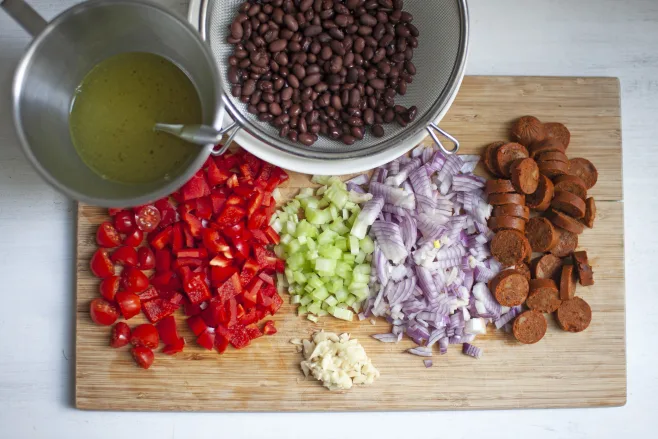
{"x":114,"y":111}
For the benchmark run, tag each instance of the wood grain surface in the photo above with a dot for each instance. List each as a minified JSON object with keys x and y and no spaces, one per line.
{"x":563,"y":370}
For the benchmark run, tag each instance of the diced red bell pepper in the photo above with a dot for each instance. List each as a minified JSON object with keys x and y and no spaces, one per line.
{"x":177,"y":239}
{"x":161,"y":239}
{"x":218,"y":200}
{"x":239,"y":337}
{"x":204,"y":207}
{"x":267,"y":199}
{"x":220,"y":261}
{"x":249,"y":317}
{"x":167,"y":330}
{"x":246,"y":172}
{"x":213,"y":241}
{"x":269,"y":328}
{"x":266,"y":278}
{"x":175,"y":348}
{"x":172,"y":296}
{"x":198,"y":253}
{"x":187,"y":262}
{"x":207,"y":339}
{"x":235,"y":231}
{"x":277,"y":301}
{"x":278,"y":177}
{"x":227,"y":161}
{"x":272,"y":235}
{"x":196,"y":187}
{"x":221,"y":342}
{"x":161,"y":280}
{"x":215,"y":174}
{"x":186,"y":207}
{"x":236,"y":200}
{"x":253,"y":331}
{"x":280,"y":266}
{"x":260,"y":236}
{"x":158,"y":309}
{"x":264,"y":257}
{"x":240,"y":312}
{"x":194,"y":225}
{"x":162,"y":260}
{"x":244,"y":191}
{"x":230,"y":216}
{"x":232,"y":309}
{"x":254,"y":203}
{"x":249,"y":270}
{"x":196,"y":289}
{"x":257,"y":220}
{"x":167,"y":212}
{"x":264,"y":175}
{"x":250,"y":294}
{"x":229,"y":289}
{"x":197,"y":325}
{"x":149,"y":293}
{"x":219,"y":275}
{"x":190,"y":309}
{"x":254,"y":162}
{"x":242,"y":247}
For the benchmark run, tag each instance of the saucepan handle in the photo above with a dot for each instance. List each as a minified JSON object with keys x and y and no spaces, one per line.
{"x":231,"y":130}
{"x":434,"y":127}
{"x":24,"y":15}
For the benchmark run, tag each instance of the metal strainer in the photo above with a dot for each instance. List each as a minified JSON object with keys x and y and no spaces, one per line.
{"x":440,"y":61}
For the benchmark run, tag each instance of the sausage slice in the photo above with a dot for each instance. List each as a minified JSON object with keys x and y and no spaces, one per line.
{"x":510,"y":287}
{"x":525,"y":175}
{"x":564,"y":221}
{"x":558,"y":132}
{"x":541,"y":234}
{"x":547,"y":145}
{"x":524,"y":270}
{"x":497,"y":223}
{"x":500,"y":199}
{"x":506,"y":154}
{"x":553,"y":168}
{"x":584,"y":169}
{"x":566,"y":243}
{"x":508,"y":247}
{"x":544,"y":296}
{"x":571,"y":183}
{"x":567,"y":282}
{"x":548,"y":267}
{"x":529,"y":327}
{"x":585,"y":273}
{"x":542,"y":197}
{"x":527,"y":130}
{"x":514,"y":210}
{"x":574,"y":315}
{"x":498,"y":187}
{"x":489,"y":157}
{"x":552,"y":156}
{"x":569,"y":204}
{"x":590,"y":212}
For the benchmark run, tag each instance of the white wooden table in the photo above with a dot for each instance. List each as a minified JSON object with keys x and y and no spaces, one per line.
{"x":510,"y":37}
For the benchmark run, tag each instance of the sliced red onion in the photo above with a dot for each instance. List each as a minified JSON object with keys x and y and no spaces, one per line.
{"x":443,"y":345}
{"x":508,"y":316}
{"x":430,"y":225}
{"x":386,"y":338}
{"x":421,"y":351}
{"x":381,"y":266}
{"x":359,"y":180}
{"x":420,"y":182}
{"x":428,"y":363}
{"x":393,"y":195}
{"x":466,"y":183}
{"x":470,"y":162}
{"x":355,"y":188}
{"x":389,"y":238}
{"x":401,"y":176}
{"x":471,"y":350}
{"x":451,"y":167}
{"x":367,"y":217}
{"x":436,"y":163}
{"x":394,"y":167}
{"x":409,"y":231}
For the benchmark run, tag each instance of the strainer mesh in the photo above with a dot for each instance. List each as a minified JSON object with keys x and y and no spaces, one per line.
{"x":436,"y":58}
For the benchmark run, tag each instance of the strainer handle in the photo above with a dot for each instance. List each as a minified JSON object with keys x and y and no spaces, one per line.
{"x":430,"y":129}
{"x":232,"y":130}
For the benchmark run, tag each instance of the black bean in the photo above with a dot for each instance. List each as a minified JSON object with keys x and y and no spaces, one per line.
{"x":312,"y":30}
{"x":377,"y":130}
{"x":357,"y":132}
{"x":411,"y":114}
{"x":292,"y":136}
{"x":347,"y":139}
{"x":233,"y":75}
{"x":307,"y":139}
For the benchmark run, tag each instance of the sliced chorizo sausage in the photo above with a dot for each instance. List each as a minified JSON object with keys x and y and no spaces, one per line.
{"x":541,"y":234}
{"x":567,"y":282}
{"x":525,"y":175}
{"x":569,"y":204}
{"x":584,"y":169}
{"x":552,"y":156}
{"x":560,"y":219}
{"x":489,"y":157}
{"x":529,"y":327}
{"x":548,"y":267}
{"x":553,"y":169}
{"x":541,"y":199}
{"x":498,"y":187}
{"x":506,"y":154}
{"x":558,"y":132}
{"x":566,"y":243}
{"x":497,"y":223}
{"x":571,"y":183}
{"x":547,"y":145}
{"x":574,"y":315}
{"x":514,"y":210}
{"x":590,"y":212}
{"x":543,"y":296}
{"x":508,"y":247}
{"x":527,"y":130}
{"x":585,"y":273}
{"x":500,"y":199}
{"x":510,"y":287}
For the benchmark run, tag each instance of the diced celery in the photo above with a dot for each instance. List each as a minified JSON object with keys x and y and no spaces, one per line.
{"x":320,"y":293}
{"x":289,"y":275}
{"x":311,"y":244}
{"x":306,"y":229}
{"x":312,"y":318}
{"x":295,"y":261}
{"x":343,"y":314}
{"x":314,"y":281}
{"x":350,"y":300}
{"x":279,"y":252}
{"x":302,"y":239}
{"x":335,"y":285}
{"x":367,"y":245}
{"x":299,"y":277}
{"x":317,"y":216}
{"x":305,"y":300}
{"x":330,"y":252}
{"x":327,"y":237}
{"x":361,"y":293}
{"x":334,"y":212}
{"x":325,"y":266}
{"x":321,"y":190}
{"x":301,"y":310}
{"x":343,"y":270}
{"x":293,"y":247}
{"x":341,"y":243}
{"x":294,"y":299}
{"x":360,"y":278}
{"x":340,"y":295}
{"x":356,"y":306}
{"x":322,"y":313}
{"x":285,"y":239}
{"x":314,"y":307}
{"x":330,"y":301}
{"x":363,"y":269}
{"x":305,"y":193}
{"x":343,"y":305}
{"x":320,"y":179}
{"x":360,"y":257}
{"x":349,"y":258}
{"x":354,"y":245}
{"x":323,"y":203}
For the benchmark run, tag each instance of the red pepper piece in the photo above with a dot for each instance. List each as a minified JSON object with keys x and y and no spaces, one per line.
{"x":230,"y":216}
{"x":190,"y":309}
{"x":253,"y":331}
{"x":221,"y":343}
{"x":232,"y":181}
{"x":161,"y":239}
{"x":215,"y":174}
{"x":162,"y":260}
{"x":269,"y":328}
{"x":227,"y":161}
{"x":199,"y":253}
{"x":266,"y":278}
{"x":254,"y":162}
{"x":196,"y":289}
{"x":272,"y":235}
{"x":204,"y":207}
{"x":260,"y":236}
{"x":249,"y":317}
{"x":257,"y":220}
{"x":168,"y":331}
{"x":250,"y":294}
{"x":158,"y":309}
{"x":174,"y":348}
{"x":249,"y":270}
{"x":177,"y":238}
{"x":194,"y":224}
{"x":277,"y":301}
{"x":229,"y":289}
{"x":149,"y":293}
{"x":239,"y":337}
{"x":264,"y":257}
{"x":207,"y":339}
{"x":197,"y":325}
{"x":162,"y":280}
{"x":213,"y":241}
{"x":219,"y":275}
{"x":196,"y":187}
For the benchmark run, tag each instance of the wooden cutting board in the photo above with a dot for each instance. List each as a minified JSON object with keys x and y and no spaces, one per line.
{"x":563,"y":370}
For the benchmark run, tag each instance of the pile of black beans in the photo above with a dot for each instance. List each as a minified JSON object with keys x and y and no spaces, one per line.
{"x":329,"y":67}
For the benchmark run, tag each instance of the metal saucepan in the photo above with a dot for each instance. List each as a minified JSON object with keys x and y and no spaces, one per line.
{"x":64,"y":51}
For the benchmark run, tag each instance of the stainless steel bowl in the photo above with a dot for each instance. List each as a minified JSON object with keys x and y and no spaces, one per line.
{"x":63,"y":52}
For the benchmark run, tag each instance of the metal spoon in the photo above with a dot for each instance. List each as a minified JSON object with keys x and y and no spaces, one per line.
{"x":200,"y":134}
